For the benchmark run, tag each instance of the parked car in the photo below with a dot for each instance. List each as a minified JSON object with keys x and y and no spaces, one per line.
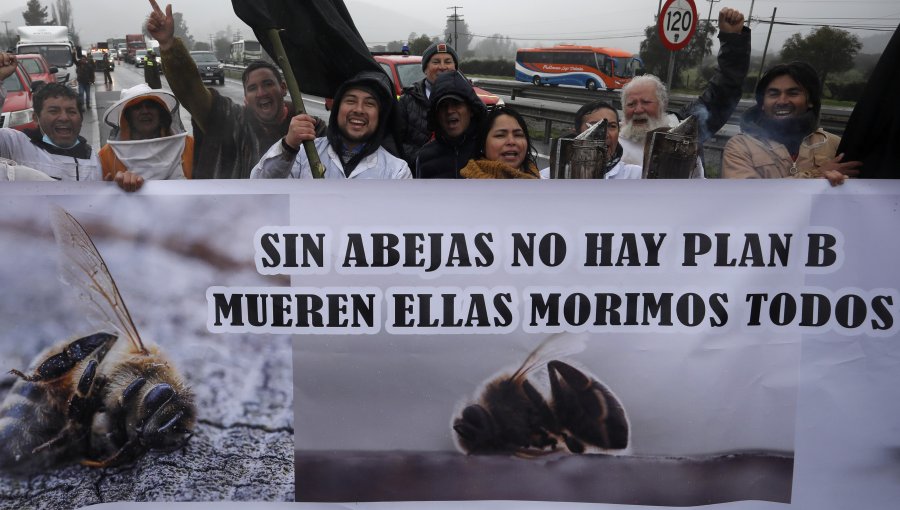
{"x":404,"y":70}
{"x":18,"y":109}
{"x":211,"y":69}
{"x":37,"y":67}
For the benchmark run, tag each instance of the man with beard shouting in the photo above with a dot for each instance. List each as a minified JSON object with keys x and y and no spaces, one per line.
{"x":351,"y":149}
{"x":645,"y":98}
{"x":229,"y":138}
{"x":781,"y":135}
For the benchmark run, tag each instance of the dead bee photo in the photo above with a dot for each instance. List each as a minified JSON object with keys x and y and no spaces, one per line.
{"x":103,"y":399}
{"x":512,"y":417}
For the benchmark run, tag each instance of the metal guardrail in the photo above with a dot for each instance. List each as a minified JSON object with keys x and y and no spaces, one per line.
{"x":832,"y":119}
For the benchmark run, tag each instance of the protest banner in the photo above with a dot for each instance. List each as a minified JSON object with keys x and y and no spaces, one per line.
{"x":731,"y":344}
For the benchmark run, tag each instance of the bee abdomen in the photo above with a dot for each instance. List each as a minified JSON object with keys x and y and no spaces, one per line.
{"x":27,"y":421}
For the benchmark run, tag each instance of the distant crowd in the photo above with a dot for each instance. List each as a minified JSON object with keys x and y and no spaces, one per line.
{"x":438,"y":128}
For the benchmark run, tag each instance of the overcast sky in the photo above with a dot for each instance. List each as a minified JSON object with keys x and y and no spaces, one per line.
{"x":608,"y":23}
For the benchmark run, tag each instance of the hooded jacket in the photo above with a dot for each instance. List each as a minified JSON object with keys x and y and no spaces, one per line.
{"x":170,"y":156}
{"x":444,"y":157}
{"x":379,"y":85}
{"x":371,"y":161}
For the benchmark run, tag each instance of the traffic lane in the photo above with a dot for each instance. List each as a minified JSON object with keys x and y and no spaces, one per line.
{"x":96,"y":131}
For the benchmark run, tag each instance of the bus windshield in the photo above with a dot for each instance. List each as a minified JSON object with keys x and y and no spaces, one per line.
{"x":252,"y":46}
{"x":55,"y":55}
{"x":624,"y":67}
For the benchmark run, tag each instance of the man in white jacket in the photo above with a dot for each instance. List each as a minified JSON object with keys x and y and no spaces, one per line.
{"x":55,"y":147}
{"x":352,"y":147}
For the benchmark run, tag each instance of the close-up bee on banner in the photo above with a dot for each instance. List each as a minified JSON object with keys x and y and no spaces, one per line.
{"x":511,"y":416}
{"x":104,"y":399}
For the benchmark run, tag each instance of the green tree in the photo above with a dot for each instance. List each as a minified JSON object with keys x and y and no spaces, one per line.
{"x":496,"y":46}
{"x":828,"y":50}
{"x":656,"y":56}
{"x":181,"y":30}
{"x":35,"y":13}
{"x":395,"y":46}
{"x":418,"y":45}
{"x":222,"y":44}
{"x":62,"y":11}
{"x":201,"y":46}
{"x":461,"y":44}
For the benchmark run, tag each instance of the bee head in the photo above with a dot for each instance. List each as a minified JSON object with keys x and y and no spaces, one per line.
{"x":475,"y":430}
{"x":168,"y":418}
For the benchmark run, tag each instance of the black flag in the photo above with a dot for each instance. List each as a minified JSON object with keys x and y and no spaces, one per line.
{"x":319,"y":37}
{"x":872,"y":134}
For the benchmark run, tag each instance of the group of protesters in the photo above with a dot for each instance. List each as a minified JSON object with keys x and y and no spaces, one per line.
{"x":439,"y":128}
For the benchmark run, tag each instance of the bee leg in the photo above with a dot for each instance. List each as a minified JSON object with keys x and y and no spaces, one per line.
{"x":574,"y":445}
{"x":62,"y":362}
{"x":543,"y":439}
{"x":587,"y":409}
{"x":114,"y":459}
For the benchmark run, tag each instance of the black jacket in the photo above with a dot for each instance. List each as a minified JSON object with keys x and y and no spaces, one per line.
{"x":444,"y":157}
{"x":715,"y":105}
{"x":412,"y":117}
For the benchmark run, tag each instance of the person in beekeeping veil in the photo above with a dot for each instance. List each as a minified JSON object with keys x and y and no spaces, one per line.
{"x":147,"y":140}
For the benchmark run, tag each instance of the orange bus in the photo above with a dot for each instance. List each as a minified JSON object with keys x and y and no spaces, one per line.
{"x":582,"y":66}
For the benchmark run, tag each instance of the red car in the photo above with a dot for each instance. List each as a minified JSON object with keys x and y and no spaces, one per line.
{"x":18,"y":111}
{"x":37,"y":67}
{"x":405,"y":70}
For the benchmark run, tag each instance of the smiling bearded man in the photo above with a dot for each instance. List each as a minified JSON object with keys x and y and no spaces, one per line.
{"x":352,"y":147}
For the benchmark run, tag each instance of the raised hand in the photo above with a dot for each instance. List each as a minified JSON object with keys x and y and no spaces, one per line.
{"x":731,"y":21}
{"x":161,"y":25}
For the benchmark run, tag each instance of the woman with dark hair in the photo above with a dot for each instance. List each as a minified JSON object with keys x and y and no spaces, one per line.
{"x":503,"y":148}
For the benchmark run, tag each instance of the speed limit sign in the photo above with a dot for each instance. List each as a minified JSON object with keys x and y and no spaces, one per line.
{"x":677,"y":23}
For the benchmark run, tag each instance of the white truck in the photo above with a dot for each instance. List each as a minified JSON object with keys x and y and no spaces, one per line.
{"x":54,"y":44}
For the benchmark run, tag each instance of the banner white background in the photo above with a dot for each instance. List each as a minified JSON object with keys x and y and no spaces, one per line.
{"x":828,"y":394}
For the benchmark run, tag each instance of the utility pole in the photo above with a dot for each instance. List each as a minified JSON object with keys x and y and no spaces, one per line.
{"x":455,"y":18}
{"x":709,"y":17}
{"x":766,"y":49}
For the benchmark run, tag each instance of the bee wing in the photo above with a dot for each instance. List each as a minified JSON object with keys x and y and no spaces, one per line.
{"x":558,"y":345}
{"x":82,"y":267}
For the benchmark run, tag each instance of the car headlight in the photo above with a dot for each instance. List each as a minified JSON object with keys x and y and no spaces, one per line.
{"x":20,"y":117}
{"x":221,"y":66}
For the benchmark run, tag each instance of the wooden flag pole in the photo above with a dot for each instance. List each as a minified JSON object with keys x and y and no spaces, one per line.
{"x":315,"y":164}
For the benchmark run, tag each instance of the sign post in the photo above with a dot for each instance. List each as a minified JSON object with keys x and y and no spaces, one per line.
{"x":676,"y":24}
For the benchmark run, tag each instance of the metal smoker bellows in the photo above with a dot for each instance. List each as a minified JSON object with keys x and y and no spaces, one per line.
{"x":582,"y":157}
{"x":672,"y":153}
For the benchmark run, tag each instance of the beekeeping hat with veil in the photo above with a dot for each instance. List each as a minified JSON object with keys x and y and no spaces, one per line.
{"x":154,"y":158}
